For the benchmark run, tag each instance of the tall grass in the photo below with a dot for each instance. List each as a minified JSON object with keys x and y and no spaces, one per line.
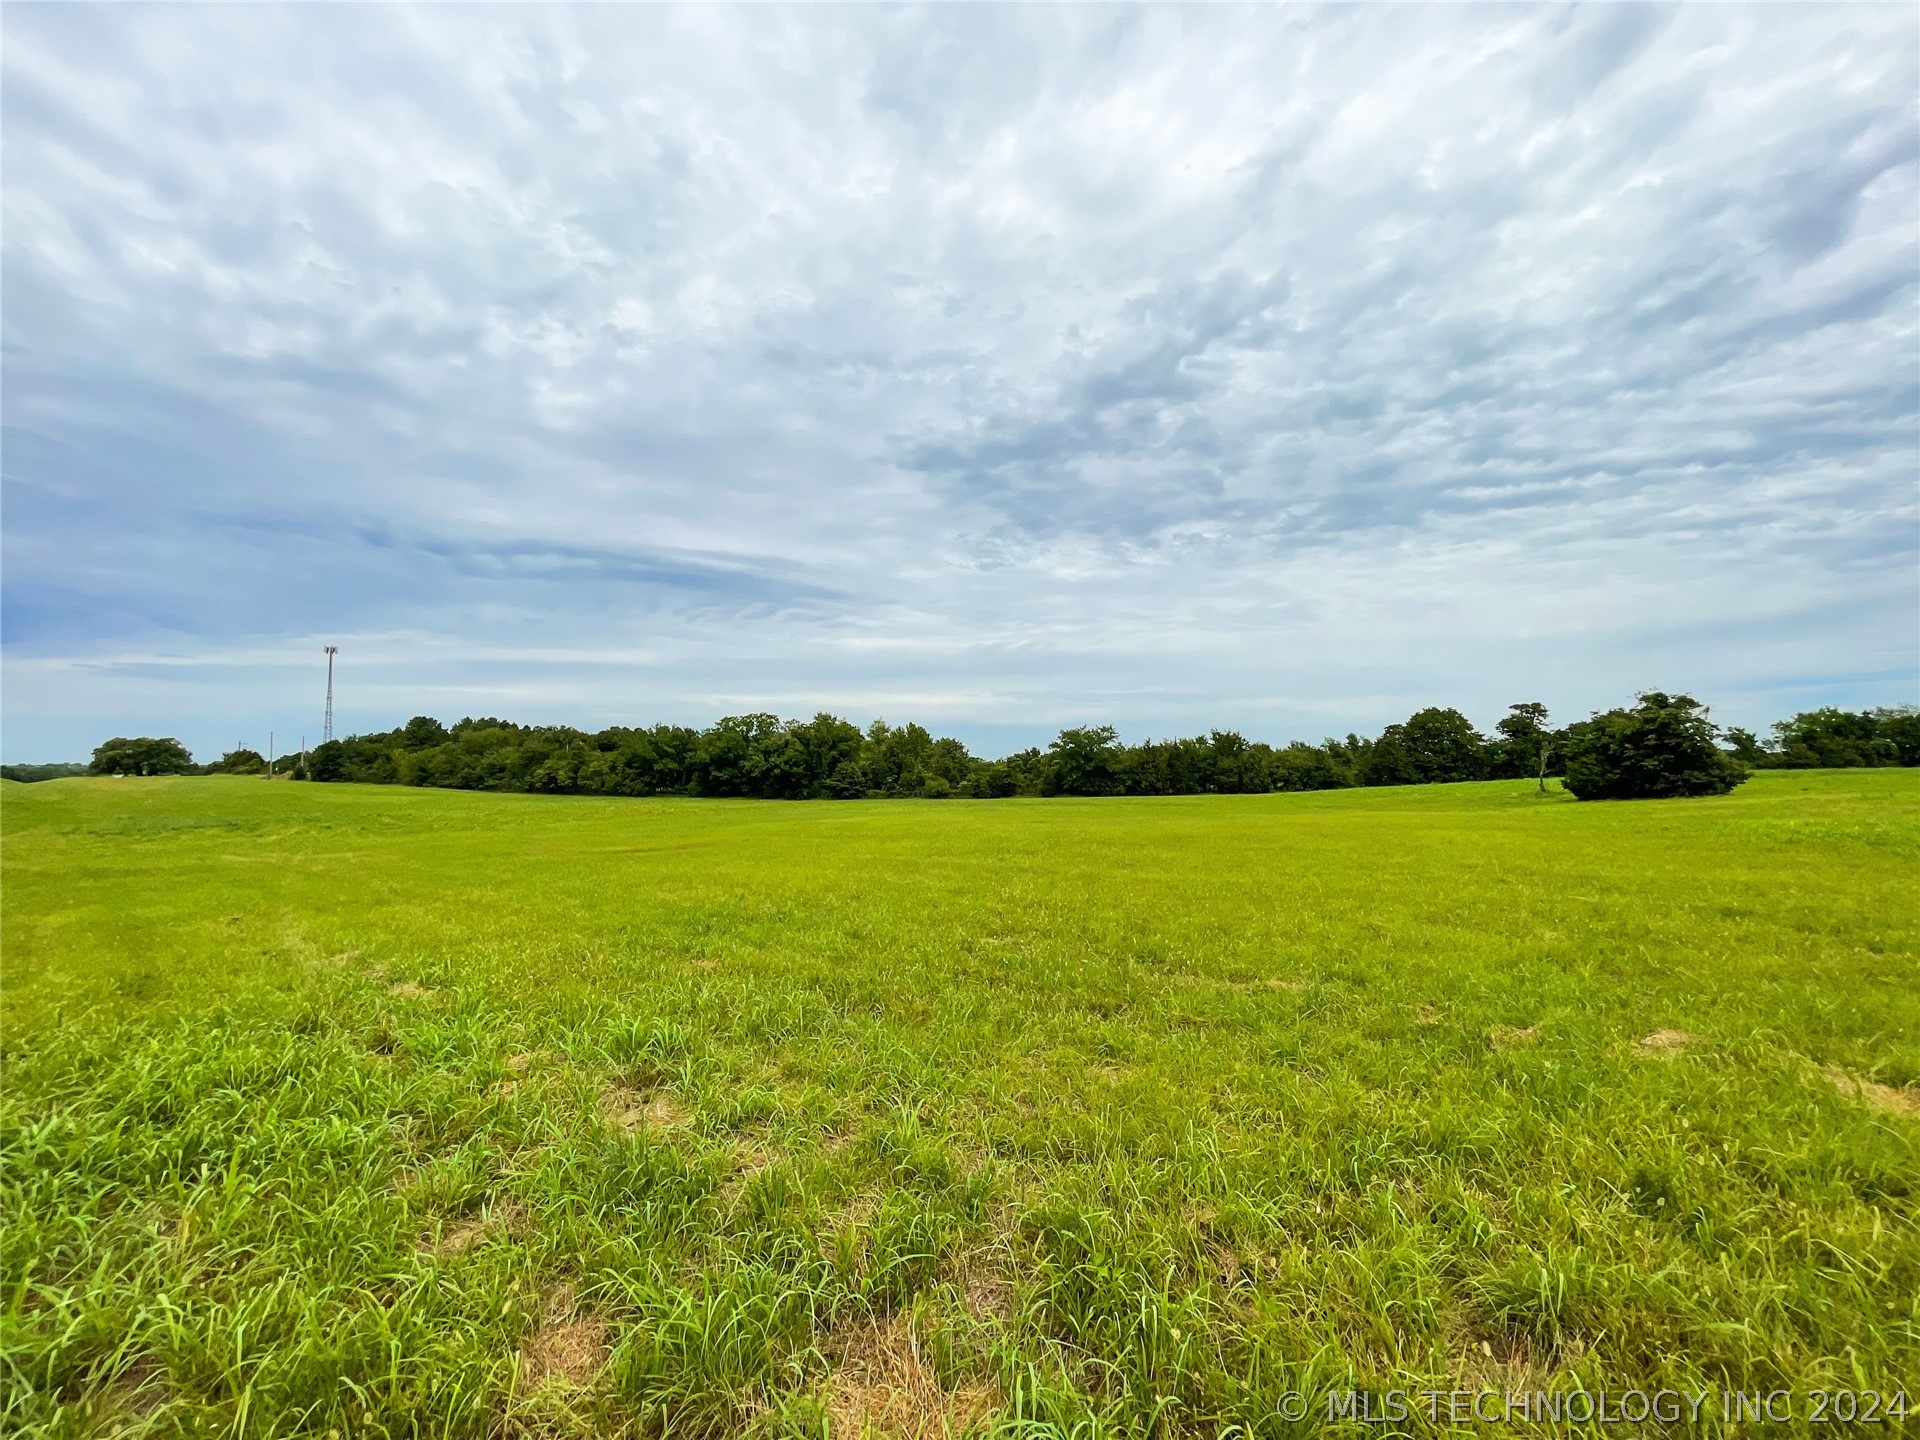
{"x":394,"y":1113}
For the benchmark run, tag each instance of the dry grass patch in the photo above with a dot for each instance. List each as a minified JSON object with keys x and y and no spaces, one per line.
{"x":843,"y":1232}
{"x":882,"y":1384}
{"x":750,"y":1158}
{"x":1497,"y":1360}
{"x":1890,"y":1099}
{"x":984,"y":1278}
{"x":1665,"y":1042}
{"x":1506,"y":1037}
{"x":1265,"y":982}
{"x":459,"y":1237}
{"x":518,"y":1068}
{"x":565,"y":1347}
{"x":407,"y":990}
{"x":634,"y":1110}
{"x":465,"y":1234}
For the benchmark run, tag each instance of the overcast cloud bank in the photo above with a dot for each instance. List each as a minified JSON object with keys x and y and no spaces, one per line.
{"x":998,"y":369}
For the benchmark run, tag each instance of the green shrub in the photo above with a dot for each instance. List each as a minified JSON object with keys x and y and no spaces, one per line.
{"x":1663,"y":748}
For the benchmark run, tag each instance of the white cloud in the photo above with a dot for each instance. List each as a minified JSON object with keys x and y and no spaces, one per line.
{"x":994,"y":367}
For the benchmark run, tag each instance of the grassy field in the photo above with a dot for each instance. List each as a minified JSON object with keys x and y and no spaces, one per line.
{"x":346,"y":1111}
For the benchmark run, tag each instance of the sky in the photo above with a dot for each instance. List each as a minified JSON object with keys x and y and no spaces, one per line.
{"x":1002,"y":369}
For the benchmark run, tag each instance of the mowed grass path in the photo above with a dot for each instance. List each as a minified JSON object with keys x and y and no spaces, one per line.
{"x":372,"y":1111}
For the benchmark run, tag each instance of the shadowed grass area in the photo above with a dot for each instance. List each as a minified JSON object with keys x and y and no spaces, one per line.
{"x":377,"y":1111}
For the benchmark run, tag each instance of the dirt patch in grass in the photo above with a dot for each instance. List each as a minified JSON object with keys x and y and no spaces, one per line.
{"x":460,"y":1237}
{"x":467,"y":1233}
{"x":633,"y":1110}
{"x":1270,"y":982}
{"x":750,"y":1159}
{"x":1506,"y":1037}
{"x":1497,"y":1360}
{"x":565,"y":1347}
{"x":1665,"y":1042}
{"x":988,"y":1295}
{"x":983,"y":1275}
{"x":519,"y":1068}
{"x":882,"y":1383}
{"x":138,"y":1390}
{"x":1890,"y":1099}
{"x":407,"y":990}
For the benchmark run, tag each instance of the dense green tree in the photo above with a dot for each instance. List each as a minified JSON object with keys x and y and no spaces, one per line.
{"x":733,"y":755}
{"x":896,"y":758}
{"x":1829,"y":739}
{"x":563,"y":768}
{"x":1162,"y":767}
{"x":829,"y":750}
{"x":1300,"y":766}
{"x":1350,"y":757}
{"x":1236,"y":766}
{"x":1745,"y":747}
{"x":1525,"y":747}
{"x":1084,"y":761}
{"x":1022,"y":773}
{"x":1663,"y":747}
{"x":142,"y":756}
{"x":327,"y":761}
{"x":1388,"y":760}
{"x":239,"y":762}
{"x":992,"y":780}
{"x":949,"y":765}
{"x":1443,"y":747}
{"x":423,"y":732}
{"x":1899,"y":726}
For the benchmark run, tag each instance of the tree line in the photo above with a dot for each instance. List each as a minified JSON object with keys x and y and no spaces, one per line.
{"x":764,"y":757}
{"x":1662,"y":744}
{"x":28,"y":774}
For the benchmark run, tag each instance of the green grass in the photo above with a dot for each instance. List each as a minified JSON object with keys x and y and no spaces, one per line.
{"x":373,"y":1111}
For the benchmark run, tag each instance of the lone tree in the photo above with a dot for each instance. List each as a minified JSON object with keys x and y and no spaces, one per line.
{"x":144,"y":756}
{"x":1526,"y":744}
{"x":1663,"y":748}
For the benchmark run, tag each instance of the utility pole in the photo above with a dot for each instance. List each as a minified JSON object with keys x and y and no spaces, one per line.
{"x":269,"y":754}
{"x":332,"y":650}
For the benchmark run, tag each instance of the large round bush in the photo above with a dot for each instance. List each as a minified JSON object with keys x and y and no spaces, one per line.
{"x":1662,"y":748}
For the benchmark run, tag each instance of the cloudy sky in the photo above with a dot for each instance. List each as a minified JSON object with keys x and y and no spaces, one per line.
{"x":998,"y":368}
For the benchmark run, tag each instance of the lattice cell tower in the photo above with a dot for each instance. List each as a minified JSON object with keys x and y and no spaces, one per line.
{"x":332,"y":650}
